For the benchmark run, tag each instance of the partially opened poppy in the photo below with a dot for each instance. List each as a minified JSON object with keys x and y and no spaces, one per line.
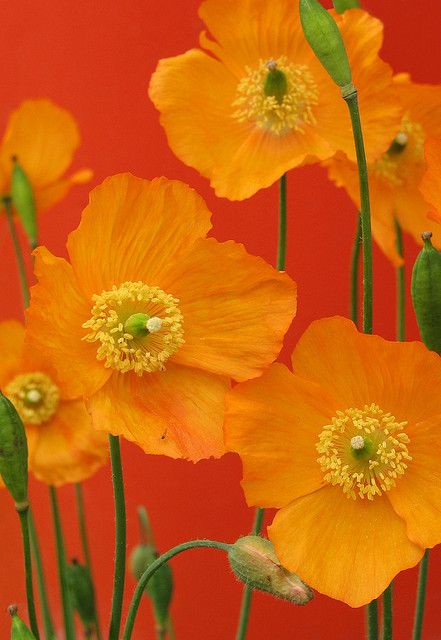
{"x":394,"y":178}
{"x":347,"y":448}
{"x":63,"y":445}
{"x":43,"y":138}
{"x":151,"y":319}
{"x":259,"y":103}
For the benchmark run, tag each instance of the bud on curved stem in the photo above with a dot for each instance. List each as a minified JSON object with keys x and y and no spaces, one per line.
{"x":341,"y":5}
{"x":426,"y":293}
{"x":13,"y":453}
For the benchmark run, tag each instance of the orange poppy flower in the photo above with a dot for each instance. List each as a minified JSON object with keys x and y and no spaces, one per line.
{"x":43,"y":137}
{"x":63,"y":446}
{"x":151,"y":319}
{"x":259,"y":103}
{"x":395,"y":176}
{"x":347,"y":448}
{"x":430,"y":185}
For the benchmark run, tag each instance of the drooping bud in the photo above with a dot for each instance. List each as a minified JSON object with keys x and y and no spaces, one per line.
{"x":254,"y":561}
{"x":23,"y":200}
{"x":276,"y":84}
{"x":81,"y":592}
{"x":426,"y":293}
{"x":19,"y":631}
{"x":13,"y":453}
{"x":324,"y":37}
{"x":341,"y":5}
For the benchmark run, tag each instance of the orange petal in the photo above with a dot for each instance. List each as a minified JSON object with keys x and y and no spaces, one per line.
{"x":66,"y":448}
{"x":273,"y":423}
{"x":47,"y":196}
{"x":347,"y":549}
{"x":143,"y":226}
{"x":357,"y":369}
{"x":54,"y":326}
{"x":412,"y":211}
{"x":431,"y":183}
{"x":43,"y":137}
{"x":417,"y":495}
{"x":177,"y":412}
{"x":11,"y":348}
{"x":236,"y":309}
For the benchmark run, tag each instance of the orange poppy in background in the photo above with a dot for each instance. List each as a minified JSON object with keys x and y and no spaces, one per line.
{"x":347,"y":448}
{"x":258,"y":102}
{"x":430,"y":185}
{"x":394,"y":178}
{"x":43,"y":138}
{"x":151,"y":319}
{"x":63,"y":446}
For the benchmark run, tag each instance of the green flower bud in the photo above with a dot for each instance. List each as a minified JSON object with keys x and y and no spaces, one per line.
{"x":341,"y":5}
{"x":325,"y":39}
{"x":254,"y":562}
{"x":22,"y":198}
{"x":19,"y":631}
{"x":426,"y":293}
{"x":13,"y":453}
{"x":81,"y":591}
{"x":160,"y":586}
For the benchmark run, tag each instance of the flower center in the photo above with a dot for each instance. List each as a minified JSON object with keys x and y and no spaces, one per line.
{"x":35,"y":396}
{"x":364,"y":451}
{"x":278,"y":96}
{"x":138,"y":327}
{"x":405,"y":157}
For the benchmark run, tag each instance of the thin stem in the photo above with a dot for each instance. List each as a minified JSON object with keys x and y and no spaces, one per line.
{"x":281,"y":248}
{"x":372,"y":620}
{"x":120,"y":538}
{"x":49,"y":632}
{"x":421,"y":597}
{"x":136,"y":599}
{"x":401,"y":287}
{"x":352,"y":102}
{"x":23,"y":515}
{"x":61,"y":559}
{"x":18,"y":252}
{"x":355,"y":264}
{"x":387,"y":613}
{"x":85,"y":546}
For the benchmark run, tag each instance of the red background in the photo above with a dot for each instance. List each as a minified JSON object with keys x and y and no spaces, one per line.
{"x":95,"y":58}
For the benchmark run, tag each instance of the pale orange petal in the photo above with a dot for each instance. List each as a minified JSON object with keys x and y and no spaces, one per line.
{"x":47,"y":196}
{"x":143,"y":227}
{"x":54,"y":326}
{"x":273,"y":423}
{"x":11,"y":348}
{"x":412,"y":213}
{"x":431,"y":183}
{"x":236,"y":308}
{"x":347,"y":549}
{"x":177,"y":412}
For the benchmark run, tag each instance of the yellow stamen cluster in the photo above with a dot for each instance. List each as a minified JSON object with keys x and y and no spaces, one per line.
{"x":364,"y":451}
{"x":282,"y":116}
{"x":405,"y":158}
{"x":35,"y":396}
{"x":140,"y":352}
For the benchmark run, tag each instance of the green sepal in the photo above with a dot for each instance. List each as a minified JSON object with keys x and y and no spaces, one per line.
{"x":81,"y":591}
{"x":426,"y":294}
{"x":22,"y":197}
{"x":160,"y":586}
{"x":324,"y":37}
{"x":19,"y":631}
{"x":13,"y":453}
{"x":341,"y":5}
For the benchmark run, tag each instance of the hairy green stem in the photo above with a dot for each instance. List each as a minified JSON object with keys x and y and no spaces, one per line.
{"x":372,"y":620}
{"x":387,"y":613}
{"x":355,"y":264}
{"x":48,"y":626}
{"x":421,"y":597}
{"x":401,"y":287}
{"x":120,"y":538}
{"x":136,"y":599}
{"x":23,"y":515}
{"x":18,"y":252}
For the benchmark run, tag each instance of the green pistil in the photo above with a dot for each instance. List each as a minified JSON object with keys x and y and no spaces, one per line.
{"x":364,"y":452}
{"x":276,"y":84}
{"x":397,"y":146}
{"x":136,"y":325}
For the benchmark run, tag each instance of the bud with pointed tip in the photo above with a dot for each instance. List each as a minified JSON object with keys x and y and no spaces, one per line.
{"x":426,"y":293}
{"x":22,"y":197}
{"x":13,"y":453}
{"x":81,"y":592}
{"x":254,"y":561}
{"x":341,"y":5}
{"x":19,"y":631}
{"x":160,"y":586}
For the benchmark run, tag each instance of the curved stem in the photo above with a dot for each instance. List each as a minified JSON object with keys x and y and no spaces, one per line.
{"x":49,"y":632}
{"x":372,"y":620}
{"x":136,"y":599}
{"x":120,"y":538}
{"x":23,"y":515}
{"x":18,"y":252}
{"x":355,"y":264}
{"x":421,"y":597}
{"x":401,"y":287}
{"x":387,"y":613}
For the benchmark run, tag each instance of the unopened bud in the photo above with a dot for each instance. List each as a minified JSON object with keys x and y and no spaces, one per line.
{"x":81,"y":591}
{"x":160,"y":586}
{"x":324,"y":37}
{"x":426,"y":293}
{"x":341,"y":5}
{"x":254,"y":562}
{"x":19,"y":631}
{"x":13,"y":453}
{"x":23,"y":200}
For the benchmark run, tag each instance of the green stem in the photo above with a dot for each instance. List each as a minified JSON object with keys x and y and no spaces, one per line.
{"x":61,"y":559}
{"x":18,"y":252}
{"x":421,"y":597}
{"x":372,"y":620}
{"x":352,"y":101}
{"x":281,"y":248}
{"x":387,"y":613}
{"x":355,"y":264}
{"x":120,"y":538}
{"x":136,"y":599}
{"x":85,"y":546}
{"x":23,"y":515}
{"x":49,"y":632}
{"x":401,"y":287}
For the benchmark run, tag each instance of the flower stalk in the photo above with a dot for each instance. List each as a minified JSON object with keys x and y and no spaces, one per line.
{"x":18,"y":252}
{"x":401,"y":287}
{"x":48,"y":626}
{"x":421,"y":597}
